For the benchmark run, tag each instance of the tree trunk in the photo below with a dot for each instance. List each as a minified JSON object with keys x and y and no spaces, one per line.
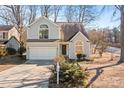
{"x":122,"y":36}
{"x":95,"y":48}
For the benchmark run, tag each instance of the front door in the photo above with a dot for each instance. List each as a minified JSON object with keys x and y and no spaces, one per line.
{"x":64,"y":49}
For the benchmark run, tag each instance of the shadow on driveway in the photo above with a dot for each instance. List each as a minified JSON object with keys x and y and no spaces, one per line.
{"x":40,"y":62}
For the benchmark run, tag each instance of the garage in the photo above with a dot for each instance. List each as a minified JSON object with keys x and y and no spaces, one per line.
{"x":42,"y":53}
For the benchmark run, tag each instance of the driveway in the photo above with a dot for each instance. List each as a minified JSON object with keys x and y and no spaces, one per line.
{"x":40,"y":62}
{"x":26,"y":75}
{"x":114,"y":50}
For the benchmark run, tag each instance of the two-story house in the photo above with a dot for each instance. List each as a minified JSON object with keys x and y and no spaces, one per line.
{"x":46,"y":40}
{"x":9,"y":36}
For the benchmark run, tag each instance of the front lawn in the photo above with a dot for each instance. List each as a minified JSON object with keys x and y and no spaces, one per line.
{"x":104,"y":72}
{"x":106,"y":58}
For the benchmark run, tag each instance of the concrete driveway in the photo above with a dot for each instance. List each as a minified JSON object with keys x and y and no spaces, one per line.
{"x":40,"y":62}
{"x":26,"y":75}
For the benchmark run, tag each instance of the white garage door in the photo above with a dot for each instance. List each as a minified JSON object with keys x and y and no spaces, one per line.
{"x":42,"y":53}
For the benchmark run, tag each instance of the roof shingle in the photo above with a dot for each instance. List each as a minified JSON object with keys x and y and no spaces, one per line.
{"x":5,"y":27}
{"x":71,"y":29}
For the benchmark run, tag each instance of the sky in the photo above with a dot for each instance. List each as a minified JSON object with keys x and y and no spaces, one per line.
{"x":106,"y":19}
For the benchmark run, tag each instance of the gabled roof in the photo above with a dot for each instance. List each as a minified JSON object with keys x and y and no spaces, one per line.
{"x":6,"y":27}
{"x":71,"y":29}
{"x":3,"y":41}
{"x":10,"y":39}
{"x":42,"y":17}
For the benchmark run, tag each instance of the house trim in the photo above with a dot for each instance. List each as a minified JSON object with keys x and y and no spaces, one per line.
{"x":15,"y":28}
{"x":11,"y":38}
{"x":45,"y":19}
{"x":77,"y":35}
{"x":80,"y":45}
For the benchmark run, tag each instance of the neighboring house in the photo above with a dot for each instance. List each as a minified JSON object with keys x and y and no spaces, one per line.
{"x":46,"y":40}
{"x":13,"y":43}
{"x":9,"y":36}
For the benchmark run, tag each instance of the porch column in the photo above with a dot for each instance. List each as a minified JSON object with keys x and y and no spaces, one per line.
{"x":58,"y":49}
{"x":68,"y":50}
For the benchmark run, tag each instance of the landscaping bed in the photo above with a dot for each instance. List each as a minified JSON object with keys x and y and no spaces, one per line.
{"x":71,"y":75}
{"x":10,"y":61}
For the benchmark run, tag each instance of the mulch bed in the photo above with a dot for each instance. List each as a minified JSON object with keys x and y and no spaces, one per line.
{"x":53,"y":83}
{"x":10,"y":61}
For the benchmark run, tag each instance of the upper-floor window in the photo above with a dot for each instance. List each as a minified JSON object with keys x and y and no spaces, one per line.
{"x":43,"y":32}
{"x":78,"y":47}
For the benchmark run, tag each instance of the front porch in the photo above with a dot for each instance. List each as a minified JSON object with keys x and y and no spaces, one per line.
{"x":71,"y":49}
{"x":63,"y":48}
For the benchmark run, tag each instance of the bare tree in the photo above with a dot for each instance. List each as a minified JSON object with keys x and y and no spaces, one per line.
{"x":99,"y":39}
{"x":69,"y":13}
{"x":86,"y":14}
{"x":121,"y":9}
{"x":15,"y":15}
{"x":115,"y":35}
{"x":94,"y":38}
{"x":109,"y":35}
{"x":82,"y":10}
{"x":56,"y":10}
{"x":45,"y":10}
{"x":81,"y":13}
{"x":32,"y":13}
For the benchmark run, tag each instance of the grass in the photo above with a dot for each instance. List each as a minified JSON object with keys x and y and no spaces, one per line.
{"x":106,"y":58}
{"x":103,"y":71}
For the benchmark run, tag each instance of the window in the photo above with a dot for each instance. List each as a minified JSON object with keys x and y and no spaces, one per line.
{"x":1,"y":36}
{"x":43,"y":26}
{"x":4,"y":35}
{"x":78,"y":47}
{"x":43,"y":33}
